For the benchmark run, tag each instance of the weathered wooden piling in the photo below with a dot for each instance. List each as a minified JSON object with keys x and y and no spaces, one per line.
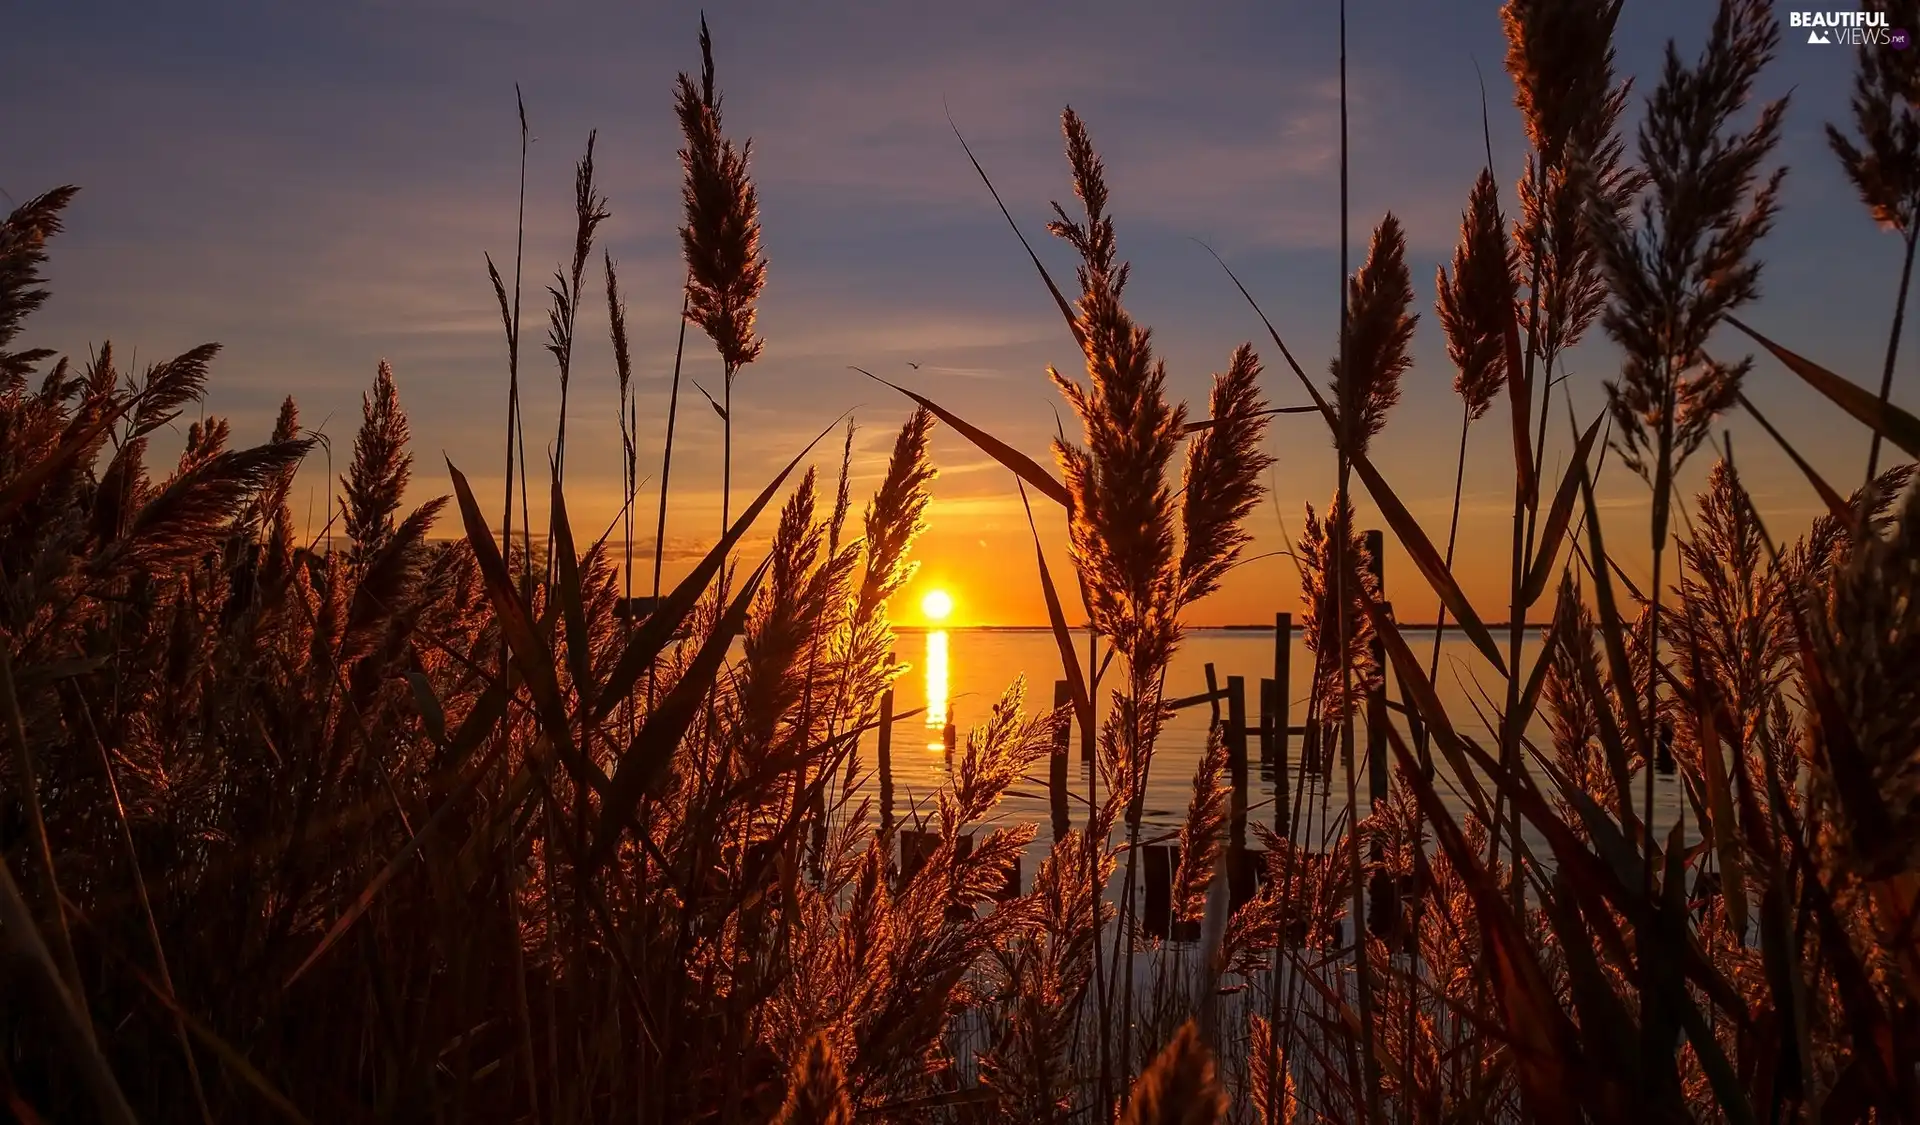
{"x":1377,"y":718}
{"x":1236,"y":740}
{"x":1162,"y":860}
{"x":1088,"y":734}
{"x":1282,"y":706}
{"x":884,"y":753}
{"x":1266,"y":726}
{"x":1057,"y":762}
{"x":917,"y":847}
{"x":1383,"y":890}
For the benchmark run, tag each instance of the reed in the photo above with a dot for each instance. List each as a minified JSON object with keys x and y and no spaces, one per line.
{"x":281,"y":840}
{"x":1884,"y":167}
{"x":720,"y":241}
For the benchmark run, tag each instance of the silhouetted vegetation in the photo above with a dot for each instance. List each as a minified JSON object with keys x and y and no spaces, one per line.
{"x":426,"y":830}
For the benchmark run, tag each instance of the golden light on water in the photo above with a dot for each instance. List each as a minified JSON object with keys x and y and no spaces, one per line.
{"x":936,"y":666}
{"x":937,"y":605}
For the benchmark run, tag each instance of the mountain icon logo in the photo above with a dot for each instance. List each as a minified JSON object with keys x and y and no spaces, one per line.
{"x":1820,"y":37}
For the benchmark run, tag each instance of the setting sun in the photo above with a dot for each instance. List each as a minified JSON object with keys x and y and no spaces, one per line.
{"x":937,"y":605}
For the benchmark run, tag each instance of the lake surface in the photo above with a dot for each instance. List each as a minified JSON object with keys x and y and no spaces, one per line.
{"x":959,"y":674}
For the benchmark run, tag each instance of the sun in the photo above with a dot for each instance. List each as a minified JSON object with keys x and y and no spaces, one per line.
{"x":937,"y":605}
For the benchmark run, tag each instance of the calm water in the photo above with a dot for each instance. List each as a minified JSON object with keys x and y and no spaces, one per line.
{"x":961,"y":673}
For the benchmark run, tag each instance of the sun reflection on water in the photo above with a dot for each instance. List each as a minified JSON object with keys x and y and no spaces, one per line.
{"x":936,"y":666}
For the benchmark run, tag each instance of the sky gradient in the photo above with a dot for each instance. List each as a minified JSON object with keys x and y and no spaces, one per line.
{"x":314,"y":187}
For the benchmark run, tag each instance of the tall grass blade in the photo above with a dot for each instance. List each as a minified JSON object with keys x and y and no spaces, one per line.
{"x":1612,"y":633}
{"x":1520,"y":396}
{"x":1022,"y":466}
{"x":479,"y":723}
{"x":652,"y":635}
{"x":228,"y":1054}
{"x":644,"y":762}
{"x":1558,"y":518}
{"x":1405,"y":527}
{"x":1066,"y":310}
{"x":1062,"y":633}
{"x":20,"y":943}
{"x":572,"y":604}
{"x":1545,"y":1043}
{"x":1836,"y":506}
{"x":1884,"y":418}
{"x":530,"y":651}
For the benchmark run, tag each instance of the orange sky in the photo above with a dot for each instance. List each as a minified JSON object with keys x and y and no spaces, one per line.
{"x":317,"y":195}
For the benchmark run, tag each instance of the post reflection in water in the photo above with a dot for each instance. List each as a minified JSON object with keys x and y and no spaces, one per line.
{"x":936,"y":688}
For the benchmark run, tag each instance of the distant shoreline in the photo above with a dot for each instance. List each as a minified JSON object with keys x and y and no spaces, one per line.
{"x":1413,"y":626}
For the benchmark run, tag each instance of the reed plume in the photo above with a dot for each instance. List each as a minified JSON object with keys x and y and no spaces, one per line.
{"x":1200,"y":831}
{"x":1883,"y":159}
{"x":590,"y":210}
{"x":1379,"y":332}
{"x":1573,"y":714}
{"x":816,"y":1089}
{"x":381,"y":467}
{"x":166,"y":387}
{"x":1475,"y":304}
{"x":190,"y":513}
{"x":1868,"y":646}
{"x":1122,"y":531}
{"x":1180,"y":1086}
{"x":23,"y":242}
{"x":1270,"y":1086}
{"x":1737,"y":607}
{"x":1335,"y":567}
{"x":1688,"y":263}
{"x":1221,"y":483}
{"x":1691,"y":260}
{"x":721,"y":239}
{"x":1884,"y":166}
{"x":1560,"y":57}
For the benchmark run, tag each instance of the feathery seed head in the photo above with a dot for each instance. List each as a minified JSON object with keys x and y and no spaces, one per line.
{"x":1885,"y":166}
{"x":1868,"y":647}
{"x":721,"y":238}
{"x":1475,"y":304}
{"x":1378,"y":335}
{"x":1560,"y":57}
{"x":1692,"y":260}
{"x":1122,"y":532}
{"x":1222,"y":480}
{"x":1180,"y":1086}
{"x":381,"y":466}
{"x":816,"y":1088}
{"x":23,"y":240}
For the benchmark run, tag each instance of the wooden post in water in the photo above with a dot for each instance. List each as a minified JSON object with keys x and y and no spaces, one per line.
{"x":1266,"y":727}
{"x":1282,"y":722}
{"x":1377,"y":776}
{"x":1383,"y":900}
{"x":884,"y":753}
{"x":1088,"y":735}
{"x":1057,"y":764}
{"x":1236,"y":739}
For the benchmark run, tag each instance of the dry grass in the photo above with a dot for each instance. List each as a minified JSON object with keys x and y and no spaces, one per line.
{"x":428,"y":831}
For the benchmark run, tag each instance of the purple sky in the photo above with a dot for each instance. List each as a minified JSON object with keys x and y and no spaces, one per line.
{"x":314,"y":186}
